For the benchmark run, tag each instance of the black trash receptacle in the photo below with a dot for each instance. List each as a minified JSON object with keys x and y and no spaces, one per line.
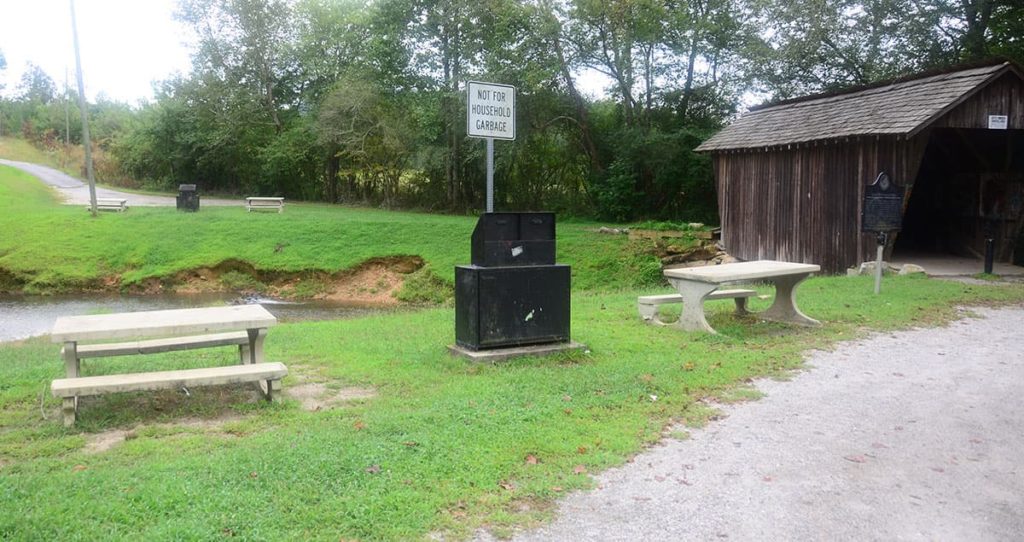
{"x":188,"y":198}
{"x":513,"y":294}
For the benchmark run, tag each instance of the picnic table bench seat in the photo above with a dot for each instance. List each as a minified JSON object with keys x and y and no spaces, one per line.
{"x":110,"y":204}
{"x":153,"y":332}
{"x":254,"y":202}
{"x":269,"y":376}
{"x":157,"y":346}
{"x":647,"y":305}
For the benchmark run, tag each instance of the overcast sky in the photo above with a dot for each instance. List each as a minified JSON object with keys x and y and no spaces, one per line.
{"x":126,"y":44}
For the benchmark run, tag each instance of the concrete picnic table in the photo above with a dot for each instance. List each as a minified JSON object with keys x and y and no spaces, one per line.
{"x":178,"y":329}
{"x":696,"y":283}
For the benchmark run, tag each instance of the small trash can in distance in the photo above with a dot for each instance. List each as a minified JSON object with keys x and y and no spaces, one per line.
{"x":188,"y":198}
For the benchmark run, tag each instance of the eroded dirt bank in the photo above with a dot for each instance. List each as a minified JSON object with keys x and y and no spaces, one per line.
{"x":375,"y":282}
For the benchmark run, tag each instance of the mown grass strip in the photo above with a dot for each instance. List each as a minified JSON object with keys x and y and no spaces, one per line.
{"x":444,"y":445}
{"x":58,"y":248}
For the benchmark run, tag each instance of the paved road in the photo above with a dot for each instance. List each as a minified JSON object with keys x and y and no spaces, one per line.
{"x":76,"y":192}
{"x":915,"y":435}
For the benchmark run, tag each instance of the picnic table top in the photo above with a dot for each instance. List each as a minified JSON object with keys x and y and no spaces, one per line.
{"x":742,"y":271}
{"x":160,"y":323}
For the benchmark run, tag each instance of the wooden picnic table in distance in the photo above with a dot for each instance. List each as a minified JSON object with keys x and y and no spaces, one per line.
{"x":163,"y":331}
{"x":696,"y":283}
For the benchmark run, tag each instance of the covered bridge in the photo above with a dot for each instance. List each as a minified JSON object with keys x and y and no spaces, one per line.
{"x":791,"y":176}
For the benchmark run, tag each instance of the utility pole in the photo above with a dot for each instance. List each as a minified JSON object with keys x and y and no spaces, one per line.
{"x":67,"y":112}
{"x":85,"y":116}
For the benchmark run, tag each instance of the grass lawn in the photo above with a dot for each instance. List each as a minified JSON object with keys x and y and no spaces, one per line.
{"x":442,"y":445}
{"x":50,"y":248}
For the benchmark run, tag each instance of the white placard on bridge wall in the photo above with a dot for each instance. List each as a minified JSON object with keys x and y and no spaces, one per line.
{"x":997,"y":122}
{"x":490,"y":110}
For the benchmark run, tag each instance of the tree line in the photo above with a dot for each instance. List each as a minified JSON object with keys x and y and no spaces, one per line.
{"x":363,"y":102}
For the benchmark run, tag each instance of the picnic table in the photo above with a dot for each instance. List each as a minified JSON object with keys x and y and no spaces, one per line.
{"x":163,"y":331}
{"x":695,"y":284}
{"x":273,"y":203}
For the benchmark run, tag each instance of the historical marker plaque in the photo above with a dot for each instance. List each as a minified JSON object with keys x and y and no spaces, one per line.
{"x":883,"y":206}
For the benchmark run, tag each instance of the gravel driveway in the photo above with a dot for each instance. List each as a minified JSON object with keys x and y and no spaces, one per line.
{"x":916,"y":435}
{"x":76,"y":192}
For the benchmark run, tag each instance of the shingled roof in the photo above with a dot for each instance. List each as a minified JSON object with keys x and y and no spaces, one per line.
{"x":899,"y":108}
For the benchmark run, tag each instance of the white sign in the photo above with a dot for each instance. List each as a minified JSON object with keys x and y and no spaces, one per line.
{"x":997,"y":122}
{"x":490,"y":110}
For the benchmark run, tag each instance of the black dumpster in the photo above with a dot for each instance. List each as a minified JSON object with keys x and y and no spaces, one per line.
{"x":514,"y":239}
{"x":188,"y":198}
{"x":513,"y":294}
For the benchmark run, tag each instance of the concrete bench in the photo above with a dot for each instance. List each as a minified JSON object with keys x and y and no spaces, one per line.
{"x":109,"y":204}
{"x":153,"y":332}
{"x":269,"y":376}
{"x":648,"y":304}
{"x":240,"y":338}
{"x":264,"y":203}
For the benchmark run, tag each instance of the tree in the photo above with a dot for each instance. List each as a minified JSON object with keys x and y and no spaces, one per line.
{"x":36,"y":86}
{"x":829,"y":44}
{"x":372,"y":138}
{"x":443,"y":46}
{"x":246,"y":45}
{"x":3,"y":66}
{"x":666,"y":62}
{"x":1007,"y":27}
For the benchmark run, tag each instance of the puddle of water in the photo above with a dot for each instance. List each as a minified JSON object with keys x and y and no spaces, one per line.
{"x":22,"y":317}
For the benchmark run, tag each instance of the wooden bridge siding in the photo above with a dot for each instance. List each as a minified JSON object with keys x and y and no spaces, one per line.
{"x":901,"y":159}
{"x":796,"y":205}
{"x":803,"y":204}
{"x":1004,"y":96}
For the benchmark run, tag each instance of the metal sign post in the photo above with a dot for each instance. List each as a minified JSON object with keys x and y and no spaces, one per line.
{"x":881,"y":213}
{"x":490,"y":174}
{"x":490,"y":114}
{"x":881,"y":239}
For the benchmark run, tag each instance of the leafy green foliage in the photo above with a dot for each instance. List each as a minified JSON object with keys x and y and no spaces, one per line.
{"x":363,"y":102}
{"x":827,"y":45}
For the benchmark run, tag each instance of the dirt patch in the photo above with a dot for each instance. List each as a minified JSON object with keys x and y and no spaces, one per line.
{"x":102,"y":442}
{"x":229,"y":274}
{"x":314,"y":396}
{"x":373,"y":283}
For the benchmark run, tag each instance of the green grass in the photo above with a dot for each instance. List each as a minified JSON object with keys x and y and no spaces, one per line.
{"x":50,"y":248}
{"x":442,"y":448}
{"x":20,"y":150}
{"x":444,"y":445}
